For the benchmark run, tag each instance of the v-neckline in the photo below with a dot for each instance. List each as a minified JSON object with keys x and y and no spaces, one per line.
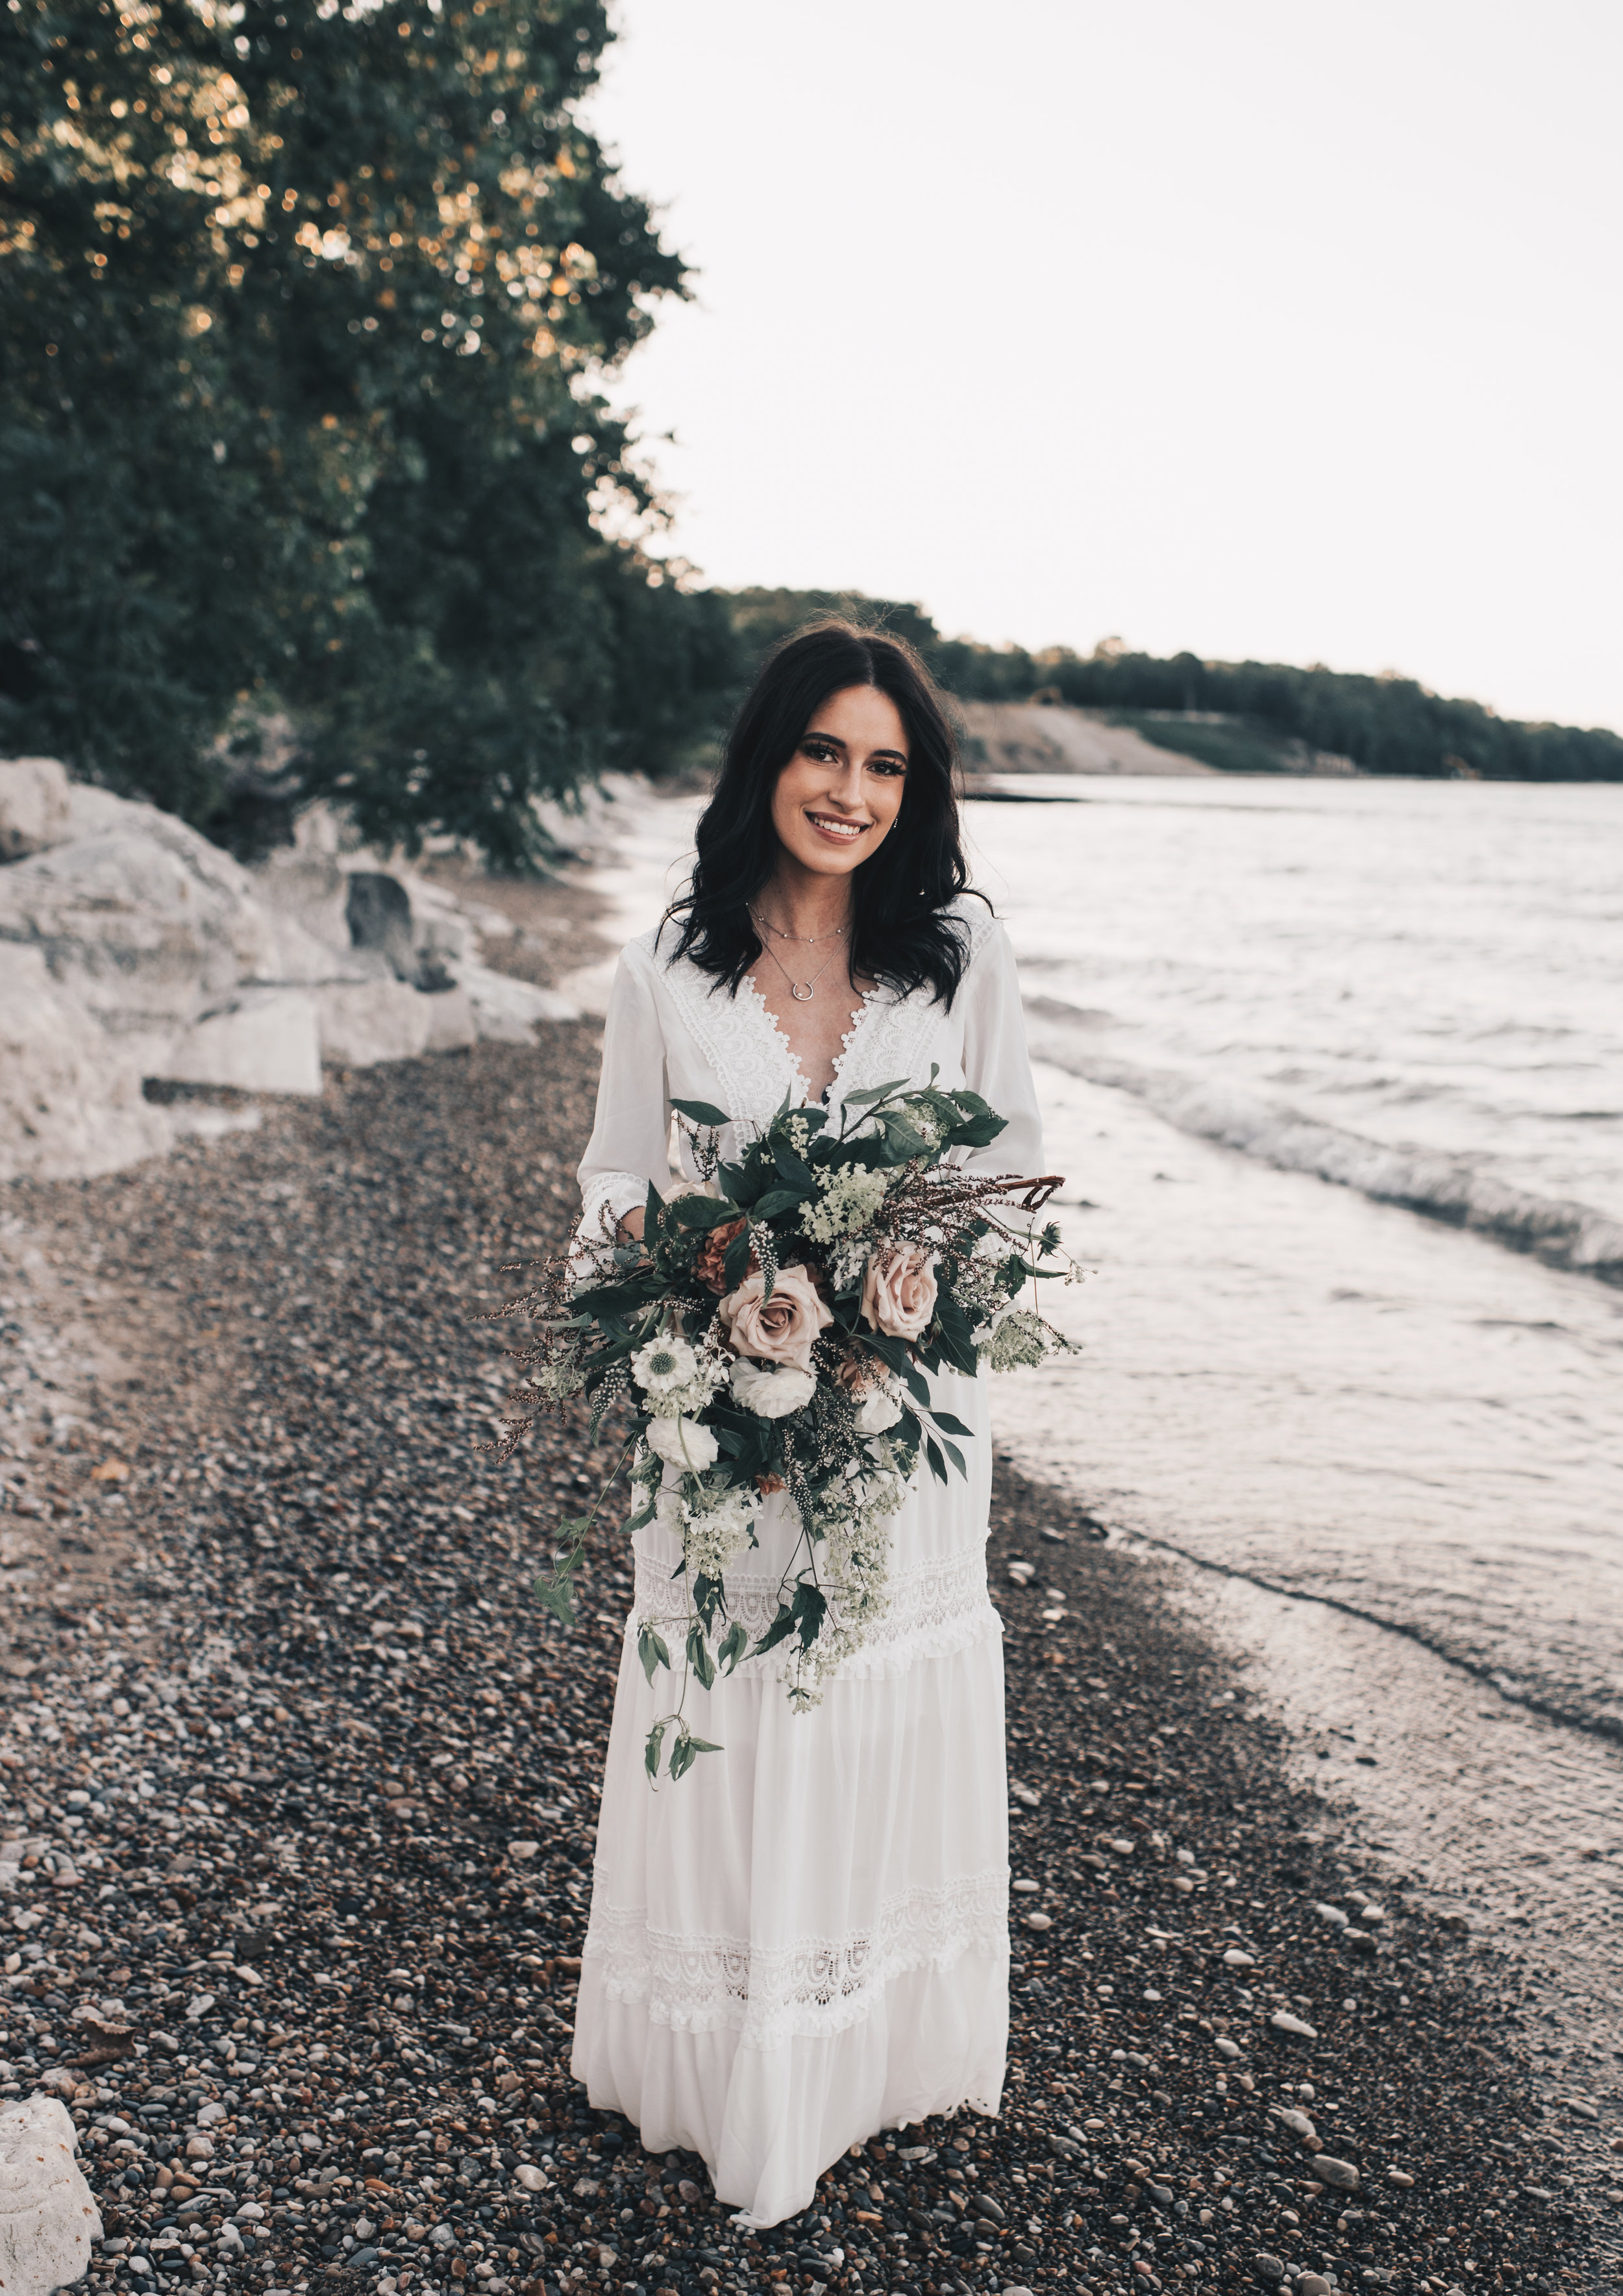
{"x":848,"y":1042}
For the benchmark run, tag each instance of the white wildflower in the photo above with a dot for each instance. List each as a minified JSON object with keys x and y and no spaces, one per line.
{"x":1019,"y":1340}
{"x":772,"y":1393}
{"x":715,"y":1525}
{"x":682,"y":1443}
{"x":881,"y":1410}
{"x":850,"y":1198}
{"x":663,"y":1365}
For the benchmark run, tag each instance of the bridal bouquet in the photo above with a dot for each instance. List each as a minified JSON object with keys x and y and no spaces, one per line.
{"x":772,"y":1332}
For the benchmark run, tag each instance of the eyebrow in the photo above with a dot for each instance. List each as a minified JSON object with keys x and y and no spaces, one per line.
{"x":835,"y":742}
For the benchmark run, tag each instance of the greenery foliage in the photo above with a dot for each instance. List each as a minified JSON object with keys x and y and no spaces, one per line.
{"x":1386,"y":725}
{"x":300,"y":309}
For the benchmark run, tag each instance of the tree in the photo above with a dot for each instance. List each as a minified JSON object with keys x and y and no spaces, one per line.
{"x":303,"y":314}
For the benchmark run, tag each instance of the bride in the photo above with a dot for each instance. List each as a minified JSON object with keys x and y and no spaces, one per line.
{"x":806,"y":1939}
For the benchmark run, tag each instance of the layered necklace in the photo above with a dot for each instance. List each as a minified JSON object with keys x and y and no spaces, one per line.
{"x":800,"y":990}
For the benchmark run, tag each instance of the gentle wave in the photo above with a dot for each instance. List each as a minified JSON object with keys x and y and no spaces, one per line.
{"x":1442,"y":1187}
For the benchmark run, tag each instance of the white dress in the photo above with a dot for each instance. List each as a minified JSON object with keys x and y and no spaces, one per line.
{"x":805,"y":1940}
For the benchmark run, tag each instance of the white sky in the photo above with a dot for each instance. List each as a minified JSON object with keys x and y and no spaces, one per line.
{"x":1273,"y":328}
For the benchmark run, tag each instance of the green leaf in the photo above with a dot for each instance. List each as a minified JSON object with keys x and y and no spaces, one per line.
{"x":699,"y":1654}
{"x":554,"y":1594}
{"x":874,"y":1092}
{"x":809,"y":1609}
{"x":781,"y":1625}
{"x":702,"y":1211}
{"x":733,"y":1644}
{"x":702,"y":1111}
{"x":735,"y":1267}
{"x":651,"y":1752}
{"x":682,"y":1754}
{"x":776,"y":1201}
{"x":793,"y":1169}
{"x":957,"y":1344}
{"x":937,"y":1464}
{"x":651,"y":1648}
{"x":954,"y":1455}
{"x":950,"y":1426}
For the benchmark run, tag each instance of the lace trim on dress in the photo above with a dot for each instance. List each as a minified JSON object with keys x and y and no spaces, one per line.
{"x":615,"y":1193}
{"x":810,"y":1988}
{"x":936,"y":1609}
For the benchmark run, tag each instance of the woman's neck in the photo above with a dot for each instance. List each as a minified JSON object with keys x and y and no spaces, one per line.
{"x":802,"y":903}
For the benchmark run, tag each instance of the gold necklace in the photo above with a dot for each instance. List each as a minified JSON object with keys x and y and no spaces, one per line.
{"x":801,"y":991}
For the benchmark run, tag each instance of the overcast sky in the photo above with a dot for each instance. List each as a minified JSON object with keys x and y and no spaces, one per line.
{"x":1266,"y":329}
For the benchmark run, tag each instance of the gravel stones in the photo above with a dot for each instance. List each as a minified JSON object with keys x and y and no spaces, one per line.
{"x":1340,"y":2175}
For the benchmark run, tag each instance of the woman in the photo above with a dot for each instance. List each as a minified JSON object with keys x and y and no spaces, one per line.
{"x":806,"y":1938}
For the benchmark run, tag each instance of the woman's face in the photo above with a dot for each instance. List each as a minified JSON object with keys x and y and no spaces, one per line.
{"x":838,"y":794}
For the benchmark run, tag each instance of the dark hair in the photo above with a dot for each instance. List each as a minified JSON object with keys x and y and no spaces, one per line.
{"x":900,"y":933}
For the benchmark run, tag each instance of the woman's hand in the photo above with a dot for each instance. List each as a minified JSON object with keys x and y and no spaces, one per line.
{"x":631,"y":1226}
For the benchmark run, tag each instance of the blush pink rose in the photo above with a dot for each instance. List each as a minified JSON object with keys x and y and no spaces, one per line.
{"x":898,"y":1291}
{"x":780,"y":1330}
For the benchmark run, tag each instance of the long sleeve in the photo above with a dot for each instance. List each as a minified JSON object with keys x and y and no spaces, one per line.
{"x":996,"y":1063}
{"x":627,"y":1148}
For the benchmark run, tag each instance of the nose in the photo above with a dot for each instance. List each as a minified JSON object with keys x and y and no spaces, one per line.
{"x":846,"y":788}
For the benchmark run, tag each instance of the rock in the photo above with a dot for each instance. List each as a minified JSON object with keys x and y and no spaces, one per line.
{"x":1225,"y":2048}
{"x":1332,"y":1914}
{"x":1313,"y":2284}
{"x":33,"y":806}
{"x":1283,"y":2021}
{"x":507,"y":1009}
{"x":47,"y":2216}
{"x":532,"y":2179}
{"x":1338,"y":2174}
{"x":1236,"y":1958}
{"x":1269,"y":2268}
{"x":1298,"y":2123}
{"x":259,"y":1040}
{"x":1401,"y":2179}
{"x":1039,"y":1922}
{"x":1581,"y":2107}
{"x":1372,"y":1914}
{"x":70,"y":1102}
{"x":378,"y":913}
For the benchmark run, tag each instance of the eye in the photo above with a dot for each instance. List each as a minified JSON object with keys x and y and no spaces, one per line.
{"x":892,"y":767}
{"x":822,"y":753}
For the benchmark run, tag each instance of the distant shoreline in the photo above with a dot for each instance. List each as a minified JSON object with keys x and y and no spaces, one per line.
{"x":1026,"y":737}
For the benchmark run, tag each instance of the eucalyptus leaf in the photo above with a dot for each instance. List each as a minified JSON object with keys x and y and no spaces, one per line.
{"x":652,"y":1649}
{"x":651,"y":1752}
{"x":702,"y":1111}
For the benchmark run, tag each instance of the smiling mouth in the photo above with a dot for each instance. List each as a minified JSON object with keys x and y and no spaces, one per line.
{"x":848,"y":832}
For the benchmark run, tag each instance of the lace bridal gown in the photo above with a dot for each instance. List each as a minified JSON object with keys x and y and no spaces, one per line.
{"x":806,"y":1938}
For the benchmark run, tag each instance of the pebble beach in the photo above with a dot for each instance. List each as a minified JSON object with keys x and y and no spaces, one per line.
{"x":299,"y":1801}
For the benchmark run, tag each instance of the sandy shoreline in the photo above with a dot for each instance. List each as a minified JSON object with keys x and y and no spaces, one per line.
{"x":308,"y":1587}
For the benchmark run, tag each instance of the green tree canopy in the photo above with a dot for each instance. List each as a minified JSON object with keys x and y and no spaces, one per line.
{"x":302,"y":311}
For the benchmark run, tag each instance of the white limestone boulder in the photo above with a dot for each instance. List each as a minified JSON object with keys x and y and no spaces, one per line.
{"x":258,"y":1039}
{"x":507,"y":1009}
{"x":33,"y":806}
{"x":71,"y":1104}
{"x":387,"y":1020}
{"x":48,"y":2217}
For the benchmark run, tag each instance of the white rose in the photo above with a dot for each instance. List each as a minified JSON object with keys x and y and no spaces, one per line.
{"x":682,"y":1443}
{"x":879,"y":1411}
{"x":772,"y":1394}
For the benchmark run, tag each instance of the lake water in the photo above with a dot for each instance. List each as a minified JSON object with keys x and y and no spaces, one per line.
{"x":1334,"y":1070}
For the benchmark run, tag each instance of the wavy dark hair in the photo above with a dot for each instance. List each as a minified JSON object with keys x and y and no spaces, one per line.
{"x":900,"y":932}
